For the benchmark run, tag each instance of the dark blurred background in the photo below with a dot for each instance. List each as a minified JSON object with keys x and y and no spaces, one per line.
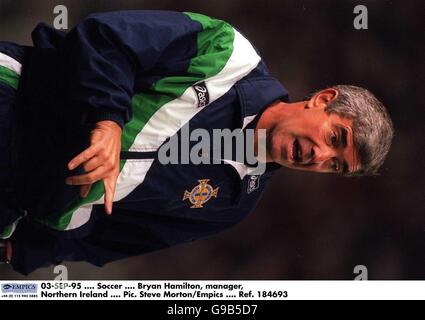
{"x":307,"y":226}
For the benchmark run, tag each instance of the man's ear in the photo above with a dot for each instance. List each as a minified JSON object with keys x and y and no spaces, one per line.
{"x":322,"y":98}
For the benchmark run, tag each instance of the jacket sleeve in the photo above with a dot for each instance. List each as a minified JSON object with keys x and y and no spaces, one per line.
{"x":112,"y":238}
{"x":105,"y":53}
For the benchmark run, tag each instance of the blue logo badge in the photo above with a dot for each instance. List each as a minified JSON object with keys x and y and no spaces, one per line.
{"x":19,"y":288}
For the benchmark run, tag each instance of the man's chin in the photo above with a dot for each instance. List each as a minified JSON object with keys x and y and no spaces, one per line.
{"x":286,"y":164}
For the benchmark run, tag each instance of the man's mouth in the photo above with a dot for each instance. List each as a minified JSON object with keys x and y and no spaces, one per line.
{"x":296,"y":151}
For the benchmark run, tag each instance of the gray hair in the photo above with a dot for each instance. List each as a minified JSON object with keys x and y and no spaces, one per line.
{"x":372,"y":126}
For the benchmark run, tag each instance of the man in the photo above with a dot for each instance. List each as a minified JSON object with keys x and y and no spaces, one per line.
{"x":96,"y":108}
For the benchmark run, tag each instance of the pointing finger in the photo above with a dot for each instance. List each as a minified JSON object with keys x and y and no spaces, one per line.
{"x":109,"y":184}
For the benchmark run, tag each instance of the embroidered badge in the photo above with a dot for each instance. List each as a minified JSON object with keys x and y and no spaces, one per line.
{"x":200,"y":194}
{"x":253,"y":184}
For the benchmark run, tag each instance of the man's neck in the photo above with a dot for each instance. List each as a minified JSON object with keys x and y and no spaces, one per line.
{"x":266,"y":122}
{"x":271,"y":116}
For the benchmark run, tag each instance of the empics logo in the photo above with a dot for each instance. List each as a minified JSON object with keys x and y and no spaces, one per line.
{"x":202,"y":94}
{"x":19,"y":288}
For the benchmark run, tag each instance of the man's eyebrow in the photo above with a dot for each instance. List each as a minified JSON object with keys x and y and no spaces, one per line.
{"x":343,"y":140}
{"x":344,"y":167}
{"x":344,"y":134}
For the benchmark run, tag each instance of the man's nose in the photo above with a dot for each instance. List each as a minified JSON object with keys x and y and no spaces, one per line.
{"x":321,"y":154}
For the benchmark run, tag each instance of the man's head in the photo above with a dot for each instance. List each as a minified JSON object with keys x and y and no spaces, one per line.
{"x":342,"y":129}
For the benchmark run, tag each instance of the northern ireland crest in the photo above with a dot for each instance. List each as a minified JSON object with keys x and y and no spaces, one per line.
{"x":200,"y":194}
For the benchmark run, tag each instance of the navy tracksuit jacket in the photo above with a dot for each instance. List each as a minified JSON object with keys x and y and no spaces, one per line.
{"x":154,"y":73}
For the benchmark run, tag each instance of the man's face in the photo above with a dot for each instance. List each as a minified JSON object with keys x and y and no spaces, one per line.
{"x":308,"y":138}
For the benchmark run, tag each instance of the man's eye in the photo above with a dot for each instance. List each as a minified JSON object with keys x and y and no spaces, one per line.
{"x":334,"y":139}
{"x":335,"y":166}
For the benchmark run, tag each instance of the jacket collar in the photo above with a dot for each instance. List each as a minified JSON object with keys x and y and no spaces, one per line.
{"x":256,"y":93}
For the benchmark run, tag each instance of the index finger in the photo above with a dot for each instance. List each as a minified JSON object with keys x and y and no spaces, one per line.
{"x":83,"y":157}
{"x":109,"y":185}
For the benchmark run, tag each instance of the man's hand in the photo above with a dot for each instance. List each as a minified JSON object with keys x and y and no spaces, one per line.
{"x":101,"y":161}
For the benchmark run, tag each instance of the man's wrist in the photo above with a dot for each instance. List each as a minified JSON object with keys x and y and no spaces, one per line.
{"x":107,"y":116}
{"x":110,"y":124}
